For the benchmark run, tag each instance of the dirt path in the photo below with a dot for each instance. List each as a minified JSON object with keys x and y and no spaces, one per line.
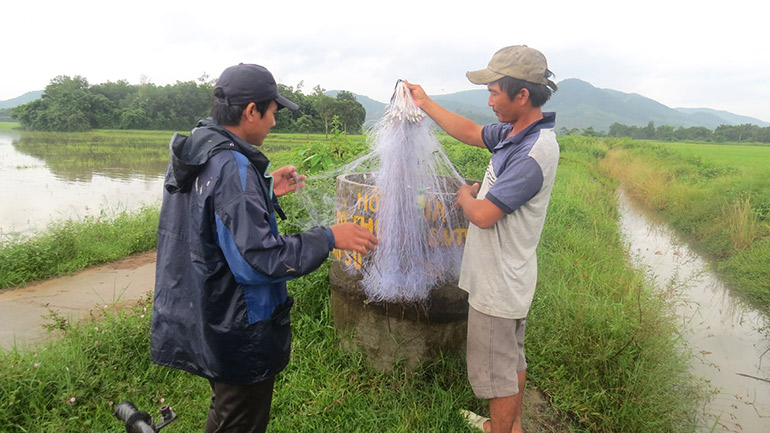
{"x":72,"y":297}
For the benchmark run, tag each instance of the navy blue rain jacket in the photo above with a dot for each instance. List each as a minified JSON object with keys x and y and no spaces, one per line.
{"x":221,"y":309}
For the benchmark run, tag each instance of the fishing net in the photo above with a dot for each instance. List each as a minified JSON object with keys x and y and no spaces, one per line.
{"x":406,"y":198}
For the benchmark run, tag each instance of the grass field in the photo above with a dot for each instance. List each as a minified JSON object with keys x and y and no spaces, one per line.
{"x":751,"y":160}
{"x":601,"y":345}
{"x":717,"y":195}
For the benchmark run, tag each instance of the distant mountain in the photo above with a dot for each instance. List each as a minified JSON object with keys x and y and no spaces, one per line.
{"x":578,"y":104}
{"x":732,"y":119}
{"x":471,"y":104}
{"x":23,"y":99}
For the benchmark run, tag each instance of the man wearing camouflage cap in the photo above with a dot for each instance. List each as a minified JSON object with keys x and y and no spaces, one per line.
{"x":507,"y":212}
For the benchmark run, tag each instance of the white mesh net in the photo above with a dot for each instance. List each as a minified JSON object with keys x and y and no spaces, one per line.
{"x":404,"y":193}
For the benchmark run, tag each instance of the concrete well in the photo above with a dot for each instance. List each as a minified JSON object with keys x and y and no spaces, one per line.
{"x":389,"y":334}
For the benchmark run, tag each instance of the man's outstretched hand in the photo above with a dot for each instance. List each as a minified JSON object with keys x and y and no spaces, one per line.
{"x":418,"y":94}
{"x":351,"y":236}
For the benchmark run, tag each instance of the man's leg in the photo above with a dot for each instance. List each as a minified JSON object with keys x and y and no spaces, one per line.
{"x":239,"y":408}
{"x":505,"y":412}
{"x":497,"y":367}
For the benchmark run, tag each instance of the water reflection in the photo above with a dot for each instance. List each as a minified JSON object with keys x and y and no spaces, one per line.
{"x":32,"y":194}
{"x":76,"y":157}
{"x":721,"y":331}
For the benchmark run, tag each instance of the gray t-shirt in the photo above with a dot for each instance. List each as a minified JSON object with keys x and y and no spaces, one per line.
{"x":499,"y":267}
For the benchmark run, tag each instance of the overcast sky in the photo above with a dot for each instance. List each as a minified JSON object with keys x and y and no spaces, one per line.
{"x":681,"y":53}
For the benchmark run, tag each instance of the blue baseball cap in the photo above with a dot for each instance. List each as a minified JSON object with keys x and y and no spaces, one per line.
{"x":244,"y":83}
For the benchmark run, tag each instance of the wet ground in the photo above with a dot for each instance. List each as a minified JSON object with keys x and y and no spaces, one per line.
{"x":72,"y":297}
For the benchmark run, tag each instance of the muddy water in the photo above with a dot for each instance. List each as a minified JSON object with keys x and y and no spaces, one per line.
{"x":32,"y":195}
{"x":721,"y":332}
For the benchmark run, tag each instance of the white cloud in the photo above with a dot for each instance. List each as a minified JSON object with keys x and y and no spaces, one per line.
{"x":683,"y":53}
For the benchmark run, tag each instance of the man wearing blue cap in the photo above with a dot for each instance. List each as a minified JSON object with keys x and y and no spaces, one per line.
{"x":221,"y":308}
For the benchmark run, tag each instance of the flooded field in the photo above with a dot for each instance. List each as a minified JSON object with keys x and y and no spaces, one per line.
{"x":36,"y":189}
{"x":723,"y":334}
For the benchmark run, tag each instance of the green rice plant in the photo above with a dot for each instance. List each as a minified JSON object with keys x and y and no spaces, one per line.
{"x":118,"y":153}
{"x":323,"y":156}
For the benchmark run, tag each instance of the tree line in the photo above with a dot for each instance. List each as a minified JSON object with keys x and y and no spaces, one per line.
{"x":71,"y":104}
{"x":746,"y":133}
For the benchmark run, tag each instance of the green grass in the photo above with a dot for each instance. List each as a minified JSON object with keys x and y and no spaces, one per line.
{"x":71,"y":245}
{"x":716,"y":195}
{"x":750,"y":160}
{"x":323,"y":390}
{"x":326,"y":389}
{"x":9,"y":125}
{"x":71,"y":384}
{"x":600,"y":344}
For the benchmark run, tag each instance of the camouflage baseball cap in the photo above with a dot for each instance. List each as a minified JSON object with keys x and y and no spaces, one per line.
{"x":516,"y":61}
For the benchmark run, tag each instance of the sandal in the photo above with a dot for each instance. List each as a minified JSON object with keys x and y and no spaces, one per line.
{"x":476,"y":421}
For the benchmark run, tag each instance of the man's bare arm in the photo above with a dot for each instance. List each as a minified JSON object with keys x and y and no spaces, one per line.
{"x":454,"y":124}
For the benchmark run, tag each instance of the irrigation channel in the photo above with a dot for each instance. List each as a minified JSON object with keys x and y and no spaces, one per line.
{"x":722,"y":332}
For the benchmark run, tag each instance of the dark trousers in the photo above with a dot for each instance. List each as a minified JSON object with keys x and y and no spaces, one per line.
{"x":239,"y":408}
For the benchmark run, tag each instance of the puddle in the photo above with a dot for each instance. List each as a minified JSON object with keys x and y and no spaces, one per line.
{"x":721,"y":331}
